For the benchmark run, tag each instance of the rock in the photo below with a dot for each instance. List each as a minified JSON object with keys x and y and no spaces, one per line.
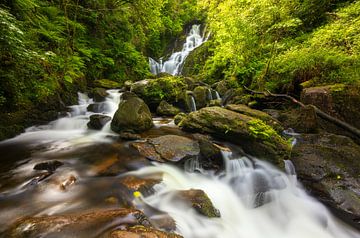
{"x":138,"y":184}
{"x":166,"y":109}
{"x":97,"y":121}
{"x":94,"y":107}
{"x":175,"y":148}
{"x":106,"y":83}
{"x":222,"y":87}
{"x":201,"y":96}
{"x":199,"y":201}
{"x":254,"y":136}
{"x":98,"y":94}
{"x":154,"y":91}
{"x":189,"y":101}
{"x":50,"y":166}
{"x":214,"y":103}
{"x":328,"y":165}
{"x":64,"y":185}
{"x":142,"y":232}
{"x":243,"y":109}
{"x":302,"y":120}
{"x":211,"y":155}
{"x":339,"y":100}
{"x":133,"y":115}
{"x":129,"y":136}
{"x":179,"y":117}
{"x":147,"y":150}
{"x":171,"y":148}
{"x":76,"y":225}
{"x":195,"y":61}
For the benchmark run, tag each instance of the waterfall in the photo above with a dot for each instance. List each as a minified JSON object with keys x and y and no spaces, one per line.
{"x":209,"y":95}
{"x":217,"y":95}
{"x":192,"y":103}
{"x":74,"y":125}
{"x":176,"y":61}
{"x":254,"y":198}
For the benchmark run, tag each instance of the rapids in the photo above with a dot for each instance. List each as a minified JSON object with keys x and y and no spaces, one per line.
{"x":254,"y":198}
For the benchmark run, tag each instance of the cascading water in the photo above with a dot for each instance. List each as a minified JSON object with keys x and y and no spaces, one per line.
{"x":174,"y":64}
{"x":254,"y":199}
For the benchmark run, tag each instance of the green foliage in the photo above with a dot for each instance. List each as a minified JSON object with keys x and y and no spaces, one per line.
{"x":278,"y":43}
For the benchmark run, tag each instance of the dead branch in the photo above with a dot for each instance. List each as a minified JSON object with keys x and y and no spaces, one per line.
{"x":318,"y":112}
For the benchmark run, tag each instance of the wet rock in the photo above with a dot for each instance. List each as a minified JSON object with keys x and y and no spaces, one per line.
{"x":211,"y":155}
{"x":328,"y":165}
{"x":302,"y":120}
{"x":142,"y":232}
{"x":94,"y":107}
{"x":175,"y":148}
{"x":199,"y":201}
{"x":243,"y":109}
{"x":106,"y":83}
{"x":76,"y":225}
{"x":166,"y":109}
{"x":98,"y":94}
{"x":133,"y":115}
{"x":214,"y":103}
{"x":222,"y":87}
{"x":64,"y":185}
{"x":171,"y":148}
{"x":147,"y":150}
{"x":97,"y":122}
{"x":134,"y":183}
{"x":339,"y":100}
{"x":129,"y":136}
{"x":201,"y":96}
{"x":255,"y":137}
{"x":50,"y":166}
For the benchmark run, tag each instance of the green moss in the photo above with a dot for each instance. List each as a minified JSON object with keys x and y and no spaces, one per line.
{"x":106,"y":83}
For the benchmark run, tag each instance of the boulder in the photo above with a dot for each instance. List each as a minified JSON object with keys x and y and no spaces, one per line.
{"x":97,"y":121}
{"x":211,"y":154}
{"x":166,"y":109}
{"x":98,"y":94}
{"x":76,"y":225}
{"x":169,"y":88}
{"x":328,"y":165}
{"x":339,"y":100}
{"x":201,"y":96}
{"x":106,"y":83}
{"x":171,"y":148}
{"x":199,"y":200}
{"x":243,"y":109}
{"x":179,"y":117}
{"x":175,"y":148}
{"x":133,"y":115}
{"x":255,"y":136}
{"x":302,"y":120}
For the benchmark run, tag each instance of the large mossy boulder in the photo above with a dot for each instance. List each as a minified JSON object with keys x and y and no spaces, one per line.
{"x":133,"y":115}
{"x":153,"y":91}
{"x":243,"y":109}
{"x":255,"y":136}
{"x":201,"y":95}
{"x":195,"y":61}
{"x":106,"y":83}
{"x":339,"y":100}
{"x":166,"y":109}
{"x":328,"y":165}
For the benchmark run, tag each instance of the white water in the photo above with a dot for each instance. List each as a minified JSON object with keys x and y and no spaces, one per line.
{"x":174,"y":64}
{"x":254,"y":201}
{"x":192,"y":103}
{"x":72,"y":129}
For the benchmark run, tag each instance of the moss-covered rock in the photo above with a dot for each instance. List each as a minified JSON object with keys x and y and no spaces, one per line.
{"x":153,"y":91}
{"x":195,"y":61}
{"x":339,"y":100}
{"x":166,"y":109}
{"x":106,"y":83}
{"x":133,"y":115}
{"x":179,"y":117}
{"x":302,"y":120}
{"x":201,"y":95}
{"x":98,"y":94}
{"x":255,"y":136}
{"x":243,"y":109}
{"x":199,"y":200}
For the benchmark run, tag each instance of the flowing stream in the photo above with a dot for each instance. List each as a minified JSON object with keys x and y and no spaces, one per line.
{"x":176,"y":61}
{"x":254,"y":198}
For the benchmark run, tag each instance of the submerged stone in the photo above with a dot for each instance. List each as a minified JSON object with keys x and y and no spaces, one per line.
{"x":50,"y":166}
